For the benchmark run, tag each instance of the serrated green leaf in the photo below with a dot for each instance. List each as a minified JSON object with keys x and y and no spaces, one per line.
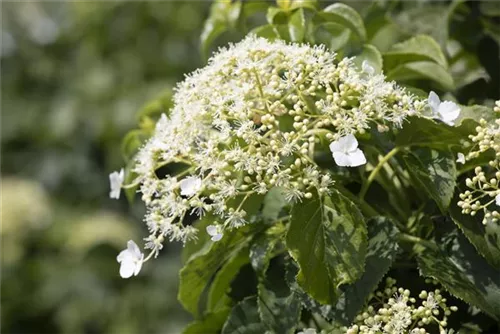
{"x":434,"y":172}
{"x":244,"y":319}
{"x":419,"y":70}
{"x":371,"y":54}
{"x":386,"y":36}
{"x":327,"y":237}
{"x":485,"y":238}
{"x":333,"y":35}
{"x":193,"y":246}
{"x":418,"y":48}
{"x":266,"y":31}
{"x":463,"y":272}
{"x":211,"y":323}
{"x":342,"y":14}
{"x":381,"y":252}
{"x":278,"y":305}
{"x":419,"y":131}
{"x":297,"y":26}
{"x":217,"y":294}
{"x":475,"y":113}
{"x":261,"y":253}
{"x":274,"y":202}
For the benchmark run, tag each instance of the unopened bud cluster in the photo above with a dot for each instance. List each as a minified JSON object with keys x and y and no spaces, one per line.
{"x":252,"y":120}
{"x":400,"y":313}
{"x":483,"y":194}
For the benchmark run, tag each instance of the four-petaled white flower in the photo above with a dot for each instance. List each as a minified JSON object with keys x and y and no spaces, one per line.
{"x":367,"y":68}
{"x":446,"y":111}
{"x":190,"y":186}
{"x":461,"y":158}
{"x":346,"y":153}
{"x":497,"y":199}
{"x":116,"y":181}
{"x":214,"y":232}
{"x":130,"y":260}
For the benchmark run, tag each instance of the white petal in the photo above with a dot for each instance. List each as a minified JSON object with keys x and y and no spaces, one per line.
{"x":357,"y":158}
{"x":217,"y":237}
{"x":434,"y":101}
{"x":461,"y":158}
{"x":497,"y":199}
{"x":190,"y":186}
{"x":344,"y":144}
{"x":124,"y":256}
{"x":212,"y":230}
{"x":127,"y":269}
{"x":115,"y":182}
{"x":449,"y":112}
{"x":367,"y":68}
{"x":138,"y":265}
{"x":134,"y":249}
{"x":341,"y":159}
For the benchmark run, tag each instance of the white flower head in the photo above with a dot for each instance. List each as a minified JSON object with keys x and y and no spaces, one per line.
{"x":446,"y":111}
{"x":116,"y":181}
{"x":190,"y":186}
{"x":367,"y":68}
{"x":346,"y":153}
{"x":461,"y":158}
{"x":130,"y":260}
{"x":497,"y":199}
{"x":214,"y":232}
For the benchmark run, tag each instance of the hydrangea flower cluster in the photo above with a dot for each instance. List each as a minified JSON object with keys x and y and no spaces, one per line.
{"x":484,"y":193}
{"x":252,"y":120}
{"x":399,"y":313}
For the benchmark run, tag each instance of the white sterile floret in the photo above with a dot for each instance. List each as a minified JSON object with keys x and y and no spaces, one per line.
{"x":367,"y":68}
{"x":497,"y":199}
{"x":214,"y":232}
{"x":130,"y":260}
{"x":461,"y":158}
{"x":346,"y":153}
{"x":446,"y":111}
{"x":115,"y":182}
{"x":190,"y":186}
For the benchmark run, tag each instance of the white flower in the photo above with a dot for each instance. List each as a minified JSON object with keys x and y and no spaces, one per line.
{"x":190,"y":186}
{"x":460,"y":158}
{"x":446,"y":111}
{"x":116,"y":181}
{"x":214,"y":232}
{"x":345,"y":151}
{"x":130,"y":260}
{"x":497,"y":199}
{"x":367,"y":68}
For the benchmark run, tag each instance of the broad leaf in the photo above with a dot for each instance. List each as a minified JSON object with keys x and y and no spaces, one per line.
{"x":464,"y":273}
{"x":327,"y":237}
{"x":381,"y":252}
{"x":475,"y":113}
{"x":485,"y":238}
{"x":297,"y":26}
{"x":211,"y":323}
{"x":266,"y":31}
{"x":244,"y":319}
{"x":434,"y":172}
{"x":418,"y":48}
{"x":274,"y":202}
{"x":333,"y":35}
{"x":422,"y":70}
{"x":419,"y":131}
{"x":372,"y":56}
{"x":346,"y":16}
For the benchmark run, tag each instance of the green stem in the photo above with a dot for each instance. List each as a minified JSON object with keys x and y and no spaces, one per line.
{"x":375,"y":171}
{"x":416,"y":240}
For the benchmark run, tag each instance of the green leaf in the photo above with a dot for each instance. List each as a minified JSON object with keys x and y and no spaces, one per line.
{"x":129,"y":178}
{"x":327,"y":237}
{"x":463,"y":272}
{"x":485,"y":238}
{"x":274,"y":202}
{"x":372,"y":56}
{"x":278,"y":305}
{"x":211,"y":323}
{"x":346,"y":16}
{"x":490,"y":8}
{"x":194,"y":246}
{"x":244,"y":319}
{"x":132,"y":142}
{"x":333,"y":35}
{"x":297,"y":26}
{"x":217,"y":294}
{"x":423,"y":70}
{"x":382,"y":250}
{"x":434,"y":172}
{"x":198,"y":272}
{"x":261,"y":253}
{"x":421,"y":131}
{"x":266,"y":31}
{"x":276,"y":16}
{"x":475,"y":113}
{"x":418,"y":48}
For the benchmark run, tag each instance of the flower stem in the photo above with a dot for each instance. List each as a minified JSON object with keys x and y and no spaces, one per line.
{"x":375,"y":171}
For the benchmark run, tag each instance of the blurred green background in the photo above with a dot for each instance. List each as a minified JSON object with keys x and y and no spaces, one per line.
{"x":74,"y":75}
